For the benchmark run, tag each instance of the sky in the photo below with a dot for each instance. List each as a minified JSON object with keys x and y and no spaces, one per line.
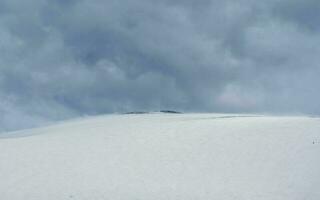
{"x":61,"y":59}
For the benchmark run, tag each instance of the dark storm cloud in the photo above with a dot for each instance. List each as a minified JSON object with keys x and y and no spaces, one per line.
{"x":61,"y":59}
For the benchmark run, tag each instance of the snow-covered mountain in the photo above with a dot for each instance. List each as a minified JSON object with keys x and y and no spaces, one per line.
{"x":164,"y":157}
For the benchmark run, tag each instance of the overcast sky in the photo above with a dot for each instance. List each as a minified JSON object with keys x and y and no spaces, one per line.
{"x":66,"y":58}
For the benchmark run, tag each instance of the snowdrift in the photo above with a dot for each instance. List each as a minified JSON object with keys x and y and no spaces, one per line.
{"x":164,"y":157}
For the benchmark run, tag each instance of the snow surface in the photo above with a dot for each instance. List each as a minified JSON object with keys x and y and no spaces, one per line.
{"x":164,"y":157}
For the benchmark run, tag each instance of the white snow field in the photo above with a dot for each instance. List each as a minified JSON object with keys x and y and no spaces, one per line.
{"x":164,"y":157}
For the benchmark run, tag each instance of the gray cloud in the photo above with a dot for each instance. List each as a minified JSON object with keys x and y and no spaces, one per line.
{"x":301,"y":13}
{"x":62,"y":59}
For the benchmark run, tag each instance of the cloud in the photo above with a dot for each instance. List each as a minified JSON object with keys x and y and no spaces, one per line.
{"x":302,"y":13}
{"x":62,"y":59}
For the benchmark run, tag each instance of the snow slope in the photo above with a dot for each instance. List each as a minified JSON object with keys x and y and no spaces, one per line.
{"x":164,"y":157}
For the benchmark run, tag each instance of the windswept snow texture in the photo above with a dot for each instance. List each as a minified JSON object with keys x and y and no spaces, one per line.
{"x":164,"y":157}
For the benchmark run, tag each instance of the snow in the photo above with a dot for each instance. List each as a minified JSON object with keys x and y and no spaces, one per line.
{"x":164,"y":157}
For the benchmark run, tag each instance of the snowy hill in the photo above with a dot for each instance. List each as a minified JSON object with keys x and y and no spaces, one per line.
{"x":164,"y":157}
